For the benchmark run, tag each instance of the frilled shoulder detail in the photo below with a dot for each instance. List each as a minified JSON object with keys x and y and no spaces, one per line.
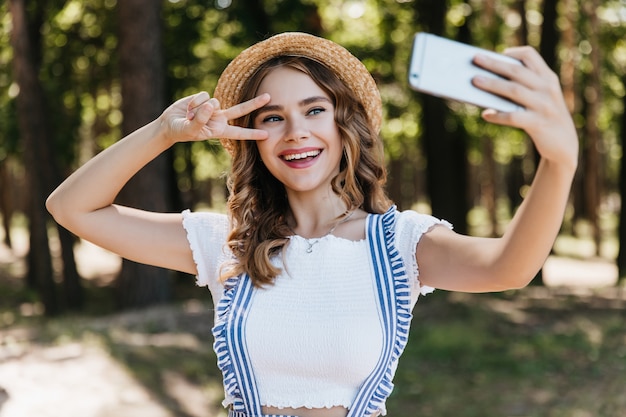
{"x":207,"y":234}
{"x":230,"y":314}
{"x":411,"y":226}
{"x":395,"y":301}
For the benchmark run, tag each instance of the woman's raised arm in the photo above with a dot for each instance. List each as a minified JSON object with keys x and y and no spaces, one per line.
{"x":83,"y":203}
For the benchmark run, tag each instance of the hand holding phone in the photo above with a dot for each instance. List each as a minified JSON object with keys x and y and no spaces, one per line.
{"x":445,"y":68}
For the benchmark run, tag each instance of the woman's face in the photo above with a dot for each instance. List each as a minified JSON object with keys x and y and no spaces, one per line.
{"x":304,"y":147}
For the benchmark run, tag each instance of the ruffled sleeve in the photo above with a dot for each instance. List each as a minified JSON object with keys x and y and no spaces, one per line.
{"x":410,"y":227}
{"x":207,"y":234}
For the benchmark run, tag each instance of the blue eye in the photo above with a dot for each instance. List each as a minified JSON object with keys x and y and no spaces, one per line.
{"x":270,"y":119}
{"x":316,"y":110}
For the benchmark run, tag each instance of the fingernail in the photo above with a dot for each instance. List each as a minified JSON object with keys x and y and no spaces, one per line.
{"x":478,"y":58}
{"x":479,"y":79}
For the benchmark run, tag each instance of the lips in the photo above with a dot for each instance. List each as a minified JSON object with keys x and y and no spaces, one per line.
{"x":303,"y":155}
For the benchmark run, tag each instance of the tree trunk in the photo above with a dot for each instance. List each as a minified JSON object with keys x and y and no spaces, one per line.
{"x":515,"y":177}
{"x":550,"y":34}
{"x":35,"y":131}
{"x":489,"y":189}
{"x":445,"y":150}
{"x":568,"y":71}
{"x":621,"y":256}
{"x":142,"y":81}
{"x":6,"y":204}
{"x":447,"y":165}
{"x":521,"y":35}
{"x":569,"y":43}
{"x":593,"y":137}
{"x":38,"y":156}
{"x":487,"y":171}
{"x":72,"y":289}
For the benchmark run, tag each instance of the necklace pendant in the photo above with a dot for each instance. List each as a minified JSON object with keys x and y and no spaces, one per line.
{"x":312,"y":242}
{"x":310,"y":248}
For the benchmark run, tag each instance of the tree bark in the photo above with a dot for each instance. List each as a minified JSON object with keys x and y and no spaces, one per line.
{"x":6,"y":205}
{"x":40,"y":161}
{"x":521,"y":35}
{"x":515,"y":177}
{"x":621,"y":256}
{"x":38,"y":156}
{"x":593,"y":137}
{"x":550,"y":34}
{"x":73,"y":293}
{"x":142,"y":81}
{"x":567,"y":72}
{"x":445,"y":150}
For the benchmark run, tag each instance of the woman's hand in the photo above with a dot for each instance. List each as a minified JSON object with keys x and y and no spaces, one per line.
{"x":199,"y":117}
{"x":536,"y":87}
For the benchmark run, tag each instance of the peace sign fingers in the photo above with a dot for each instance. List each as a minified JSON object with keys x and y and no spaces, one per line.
{"x":219,"y":127}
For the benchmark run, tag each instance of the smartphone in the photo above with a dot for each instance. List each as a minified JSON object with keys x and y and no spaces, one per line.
{"x":444,"y":68}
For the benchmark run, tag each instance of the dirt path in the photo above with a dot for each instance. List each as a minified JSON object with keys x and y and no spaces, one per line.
{"x":75,"y":374}
{"x":78,"y":379}
{"x":71,"y":381}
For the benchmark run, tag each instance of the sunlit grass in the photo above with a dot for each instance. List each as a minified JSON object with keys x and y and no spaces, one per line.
{"x":467,"y":359}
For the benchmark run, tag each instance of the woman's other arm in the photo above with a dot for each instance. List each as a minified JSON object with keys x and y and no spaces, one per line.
{"x":451,"y":261}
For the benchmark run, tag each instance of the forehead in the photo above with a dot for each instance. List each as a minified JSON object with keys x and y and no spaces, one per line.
{"x":284,"y":81}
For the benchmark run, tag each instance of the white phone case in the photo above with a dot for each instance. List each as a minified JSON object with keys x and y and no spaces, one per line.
{"x":444,"y":68}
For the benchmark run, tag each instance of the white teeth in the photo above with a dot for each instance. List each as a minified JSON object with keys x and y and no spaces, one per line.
{"x":294,"y":156}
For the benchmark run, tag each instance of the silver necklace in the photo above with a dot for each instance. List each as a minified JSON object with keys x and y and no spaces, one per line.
{"x":313,"y":242}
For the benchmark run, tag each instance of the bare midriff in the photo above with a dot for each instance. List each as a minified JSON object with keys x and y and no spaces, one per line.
{"x":307,"y":412}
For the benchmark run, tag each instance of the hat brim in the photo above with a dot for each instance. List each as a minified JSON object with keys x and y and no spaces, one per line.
{"x":347,"y":67}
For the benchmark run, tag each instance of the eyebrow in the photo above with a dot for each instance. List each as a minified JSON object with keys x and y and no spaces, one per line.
{"x":301,"y":103}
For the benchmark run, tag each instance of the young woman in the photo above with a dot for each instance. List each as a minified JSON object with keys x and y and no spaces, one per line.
{"x":313,"y":272}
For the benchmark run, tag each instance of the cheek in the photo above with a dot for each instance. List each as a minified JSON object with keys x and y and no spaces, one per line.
{"x":341,"y":143}
{"x":264,"y":149}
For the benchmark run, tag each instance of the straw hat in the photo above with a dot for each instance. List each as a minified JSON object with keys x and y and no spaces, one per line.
{"x":345,"y":65}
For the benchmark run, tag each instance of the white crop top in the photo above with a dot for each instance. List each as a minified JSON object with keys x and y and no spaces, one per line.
{"x":315,"y":334}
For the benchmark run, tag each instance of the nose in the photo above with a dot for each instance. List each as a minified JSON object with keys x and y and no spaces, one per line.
{"x":297,"y":129}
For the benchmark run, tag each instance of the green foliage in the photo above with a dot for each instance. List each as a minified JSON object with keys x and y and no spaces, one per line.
{"x":79,"y":71}
{"x":8,"y":90}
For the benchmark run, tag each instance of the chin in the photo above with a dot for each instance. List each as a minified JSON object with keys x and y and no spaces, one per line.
{"x":305,"y":188}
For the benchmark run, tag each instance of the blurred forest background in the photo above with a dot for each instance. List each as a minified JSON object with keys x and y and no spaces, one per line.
{"x":78,"y":75}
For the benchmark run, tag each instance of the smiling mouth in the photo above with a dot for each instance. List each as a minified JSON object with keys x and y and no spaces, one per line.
{"x":301,"y":156}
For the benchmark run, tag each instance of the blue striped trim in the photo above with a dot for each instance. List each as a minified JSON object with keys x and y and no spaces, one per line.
{"x":230,"y":345}
{"x":394,"y":296}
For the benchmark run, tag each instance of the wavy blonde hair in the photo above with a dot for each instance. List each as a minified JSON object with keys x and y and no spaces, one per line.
{"x":258,"y":202}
